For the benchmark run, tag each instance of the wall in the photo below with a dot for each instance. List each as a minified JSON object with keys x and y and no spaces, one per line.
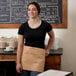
{"x":67,"y":38}
{"x":8,"y":32}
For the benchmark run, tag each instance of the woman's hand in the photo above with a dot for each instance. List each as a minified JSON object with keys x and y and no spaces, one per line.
{"x":46,"y":52}
{"x":18,"y":68}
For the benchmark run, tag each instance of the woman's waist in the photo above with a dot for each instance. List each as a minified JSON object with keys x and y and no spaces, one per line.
{"x":38,"y":45}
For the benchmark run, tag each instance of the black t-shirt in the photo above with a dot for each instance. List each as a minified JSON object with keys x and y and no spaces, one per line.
{"x":35,"y":37}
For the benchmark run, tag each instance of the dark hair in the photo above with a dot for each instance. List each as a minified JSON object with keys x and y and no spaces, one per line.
{"x":37,"y":6}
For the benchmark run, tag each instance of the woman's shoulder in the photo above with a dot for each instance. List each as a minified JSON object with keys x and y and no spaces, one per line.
{"x":45,"y":22}
{"x":47,"y":26}
{"x":23,"y":25}
{"x":22,"y":28}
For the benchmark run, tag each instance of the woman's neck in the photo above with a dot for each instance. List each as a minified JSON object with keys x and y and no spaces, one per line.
{"x":34,"y":20}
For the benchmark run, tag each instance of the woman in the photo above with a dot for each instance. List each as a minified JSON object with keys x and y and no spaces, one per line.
{"x":31,"y":34}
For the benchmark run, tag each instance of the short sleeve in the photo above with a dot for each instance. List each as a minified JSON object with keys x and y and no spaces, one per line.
{"x":48,"y":27}
{"x":21,"y":30}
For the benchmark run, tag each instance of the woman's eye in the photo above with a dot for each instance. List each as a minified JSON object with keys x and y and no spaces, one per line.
{"x":28,"y":9}
{"x":32,"y":9}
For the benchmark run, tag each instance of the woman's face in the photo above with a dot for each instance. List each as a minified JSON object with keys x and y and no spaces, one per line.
{"x":32,"y":11}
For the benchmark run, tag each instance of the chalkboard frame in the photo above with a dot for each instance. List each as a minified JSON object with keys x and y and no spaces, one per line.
{"x":64,"y":16}
{"x":62,"y":25}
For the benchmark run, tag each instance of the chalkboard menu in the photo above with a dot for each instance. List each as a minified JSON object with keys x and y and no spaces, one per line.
{"x":15,"y":11}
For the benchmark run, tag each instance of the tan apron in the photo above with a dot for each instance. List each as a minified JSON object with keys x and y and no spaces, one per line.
{"x":33,"y":59}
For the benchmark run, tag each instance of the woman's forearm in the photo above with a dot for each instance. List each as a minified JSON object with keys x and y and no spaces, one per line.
{"x":19,"y":55}
{"x":19,"y":48}
{"x":51,"y":41}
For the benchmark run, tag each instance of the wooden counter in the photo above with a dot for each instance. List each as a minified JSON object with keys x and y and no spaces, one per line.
{"x":53,"y":61}
{"x":7,"y":56}
{"x":8,"y":65}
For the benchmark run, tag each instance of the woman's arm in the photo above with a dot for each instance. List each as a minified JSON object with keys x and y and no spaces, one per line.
{"x":19,"y":52}
{"x":50,"y":42}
